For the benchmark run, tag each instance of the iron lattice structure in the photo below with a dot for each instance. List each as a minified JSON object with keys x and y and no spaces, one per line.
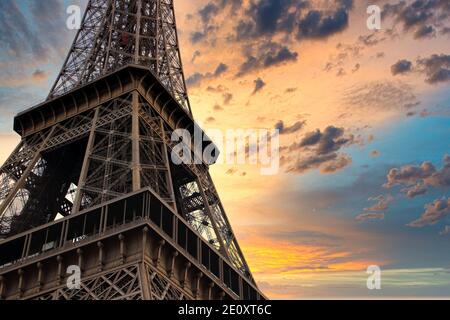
{"x":104,"y":133}
{"x":115,"y":33}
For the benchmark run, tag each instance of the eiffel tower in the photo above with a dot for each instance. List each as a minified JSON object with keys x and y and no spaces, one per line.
{"x":91,"y":184}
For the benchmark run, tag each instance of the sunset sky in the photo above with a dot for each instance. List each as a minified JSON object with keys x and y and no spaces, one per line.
{"x":364,"y":122}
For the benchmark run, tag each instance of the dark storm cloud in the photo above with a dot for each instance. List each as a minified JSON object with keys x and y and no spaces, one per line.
{"x":401,"y":67}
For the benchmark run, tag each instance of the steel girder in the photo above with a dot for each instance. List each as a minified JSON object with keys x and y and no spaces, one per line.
{"x":127,"y":283}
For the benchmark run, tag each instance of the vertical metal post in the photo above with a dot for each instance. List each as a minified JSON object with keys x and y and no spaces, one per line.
{"x":84,"y":170}
{"x":138,"y":31}
{"x":144,"y":281}
{"x":135,"y":137}
{"x":166,"y":159}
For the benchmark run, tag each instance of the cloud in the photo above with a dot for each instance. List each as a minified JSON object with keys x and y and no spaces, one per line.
{"x":370,"y":216}
{"x":436,"y":68}
{"x":317,"y":25}
{"x":259,"y":85}
{"x":425,"y":32}
{"x":340,"y":162}
{"x":259,"y":23}
{"x":434,"y":212}
{"x":417,"y":179}
{"x":269,"y":17}
{"x":227,"y":98}
{"x":386,"y":95}
{"x":40,"y":76}
{"x":217,"y":107}
{"x":210,"y":120}
{"x":16,"y":35}
{"x":208,"y":11}
{"x":421,"y":17}
{"x":197,"y":78}
{"x":291,"y":90}
{"x":371,"y":39}
{"x":416,"y":190}
{"x":231,"y":171}
{"x":401,"y":67}
{"x":318,"y":150}
{"x":196,"y":54}
{"x":281,"y":127}
{"x":382,"y":203}
{"x":375,"y":153}
{"x":265,"y":55}
{"x":376,"y":211}
{"x":208,"y":14}
{"x":221,"y":69}
{"x":330,"y":140}
{"x":409,"y":174}
{"x":32,"y":34}
{"x":198,"y":36}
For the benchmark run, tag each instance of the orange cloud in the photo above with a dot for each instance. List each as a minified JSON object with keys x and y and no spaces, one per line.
{"x":269,"y":256}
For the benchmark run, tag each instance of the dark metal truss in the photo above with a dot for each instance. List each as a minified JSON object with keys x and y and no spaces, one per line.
{"x":104,"y":153}
{"x":119,"y":147}
{"x":115,"y":33}
{"x":125,"y":283}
